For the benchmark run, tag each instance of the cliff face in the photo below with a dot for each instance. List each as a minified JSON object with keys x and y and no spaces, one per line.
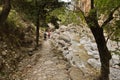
{"x":83,"y":4}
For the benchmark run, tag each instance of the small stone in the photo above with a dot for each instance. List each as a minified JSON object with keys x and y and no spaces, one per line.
{"x":29,"y":66}
{"x":61,"y":66}
{"x":34,"y":72}
{"x":48,"y":62}
{"x":116,"y":66}
{"x":4,"y":53}
{"x":76,"y":74}
{"x":95,"y":63}
{"x":4,"y":46}
{"x":96,"y":56}
{"x":60,"y":58}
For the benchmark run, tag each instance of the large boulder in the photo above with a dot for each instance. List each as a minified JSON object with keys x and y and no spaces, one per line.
{"x":62,"y":43}
{"x":112,"y":45}
{"x":65,"y":52}
{"x":78,"y":62}
{"x":114,"y":74}
{"x":94,"y":63}
{"x":65,"y":38}
{"x":115,"y":59}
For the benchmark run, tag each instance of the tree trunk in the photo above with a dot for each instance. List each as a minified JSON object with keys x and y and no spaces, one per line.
{"x":98,"y":34}
{"x":37,"y":28}
{"x":5,"y":11}
{"x":37,"y":23}
{"x":97,"y":31}
{"x":104,"y":53}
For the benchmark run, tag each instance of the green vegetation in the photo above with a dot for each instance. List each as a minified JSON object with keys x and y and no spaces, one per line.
{"x":67,"y":16}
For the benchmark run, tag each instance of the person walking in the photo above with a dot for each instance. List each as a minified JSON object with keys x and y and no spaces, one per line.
{"x":45,"y":34}
{"x":49,"y":33}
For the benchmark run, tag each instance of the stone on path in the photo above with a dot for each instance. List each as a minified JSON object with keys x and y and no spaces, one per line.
{"x":76,"y":74}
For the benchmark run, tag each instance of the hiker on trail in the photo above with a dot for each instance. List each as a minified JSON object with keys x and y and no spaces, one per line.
{"x":49,"y":33}
{"x":45,"y":34}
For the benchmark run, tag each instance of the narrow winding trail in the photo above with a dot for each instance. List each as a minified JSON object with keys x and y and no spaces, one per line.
{"x":47,"y":63}
{"x":48,"y":66}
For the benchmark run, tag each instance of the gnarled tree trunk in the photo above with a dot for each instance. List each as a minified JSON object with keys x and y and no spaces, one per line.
{"x":5,"y":11}
{"x":104,"y":53}
{"x":98,"y":34}
{"x":91,"y":19}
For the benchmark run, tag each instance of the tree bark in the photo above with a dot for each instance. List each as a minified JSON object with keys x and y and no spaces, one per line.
{"x":5,"y":11}
{"x":104,"y":53}
{"x":37,"y":23}
{"x":98,"y":34}
{"x":37,"y":28}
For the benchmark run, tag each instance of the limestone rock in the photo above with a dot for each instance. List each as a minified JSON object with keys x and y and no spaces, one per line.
{"x":114,"y":72}
{"x":115,"y":59}
{"x":48,"y":62}
{"x":65,"y":38}
{"x":76,"y":74}
{"x":95,"y":63}
{"x":61,"y":42}
{"x":4,"y":53}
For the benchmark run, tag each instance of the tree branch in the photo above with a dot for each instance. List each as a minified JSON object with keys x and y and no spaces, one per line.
{"x":78,"y":8}
{"x":109,"y":36}
{"x":91,"y":18}
{"x":110,"y":16}
{"x":92,"y":4}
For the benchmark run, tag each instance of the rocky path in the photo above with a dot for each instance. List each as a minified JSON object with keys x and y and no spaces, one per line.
{"x":66,"y":56}
{"x":51,"y":66}
{"x":48,"y":66}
